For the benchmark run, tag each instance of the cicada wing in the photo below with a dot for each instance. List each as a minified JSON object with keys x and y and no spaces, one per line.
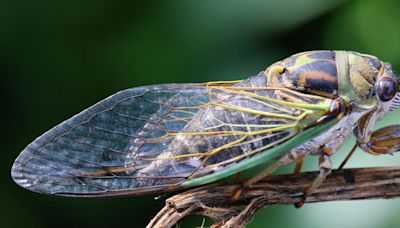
{"x":97,"y":150}
{"x":154,"y":138}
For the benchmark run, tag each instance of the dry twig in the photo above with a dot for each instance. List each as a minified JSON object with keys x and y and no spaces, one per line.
{"x":216,"y":201}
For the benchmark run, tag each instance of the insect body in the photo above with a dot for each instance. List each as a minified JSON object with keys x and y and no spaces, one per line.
{"x":163,"y":137}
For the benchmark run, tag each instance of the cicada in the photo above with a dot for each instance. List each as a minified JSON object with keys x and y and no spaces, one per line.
{"x":160,"y":138}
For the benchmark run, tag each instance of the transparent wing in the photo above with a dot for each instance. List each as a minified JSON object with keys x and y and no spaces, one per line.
{"x":153,"y":138}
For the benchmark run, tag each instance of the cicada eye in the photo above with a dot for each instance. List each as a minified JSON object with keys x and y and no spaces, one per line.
{"x":387,"y":88}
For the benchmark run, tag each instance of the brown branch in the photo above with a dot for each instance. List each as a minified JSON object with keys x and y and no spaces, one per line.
{"x":217,"y":202}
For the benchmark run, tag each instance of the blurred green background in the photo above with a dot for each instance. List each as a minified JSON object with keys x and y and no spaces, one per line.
{"x":59,"y":57}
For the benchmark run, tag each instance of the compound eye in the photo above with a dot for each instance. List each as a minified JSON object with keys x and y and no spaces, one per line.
{"x":386,"y":88}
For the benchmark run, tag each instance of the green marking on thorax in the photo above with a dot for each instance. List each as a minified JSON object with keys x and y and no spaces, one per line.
{"x":300,"y":61}
{"x":304,"y":59}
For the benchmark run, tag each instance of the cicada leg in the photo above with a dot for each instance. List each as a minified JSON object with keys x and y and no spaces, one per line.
{"x":287,"y":159}
{"x":385,"y":140}
{"x":325,"y":167}
{"x":298,"y":155}
{"x":325,"y":152}
{"x":353,"y":149}
{"x":237,"y":193}
{"x":382,"y":141}
{"x":299,"y":164}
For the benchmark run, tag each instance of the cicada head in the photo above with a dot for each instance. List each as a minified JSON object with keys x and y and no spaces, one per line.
{"x":374,"y":90}
{"x":374,"y":79}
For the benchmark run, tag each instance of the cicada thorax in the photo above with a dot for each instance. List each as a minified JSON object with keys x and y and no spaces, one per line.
{"x":313,"y":72}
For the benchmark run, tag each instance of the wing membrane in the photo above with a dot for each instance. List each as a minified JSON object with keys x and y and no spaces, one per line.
{"x":153,"y":138}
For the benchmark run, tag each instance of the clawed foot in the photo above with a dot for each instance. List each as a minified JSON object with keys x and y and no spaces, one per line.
{"x":301,"y":202}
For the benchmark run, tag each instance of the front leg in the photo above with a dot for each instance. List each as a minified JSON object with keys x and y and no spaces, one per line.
{"x":385,"y":140}
{"x":382,"y":141}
